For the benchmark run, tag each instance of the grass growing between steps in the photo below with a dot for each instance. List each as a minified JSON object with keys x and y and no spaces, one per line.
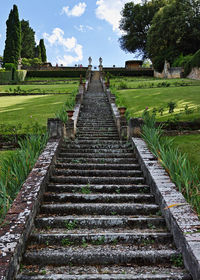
{"x":176,"y":163}
{"x":186,"y":99}
{"x":27,"y":111}
{"x":15,"y":167}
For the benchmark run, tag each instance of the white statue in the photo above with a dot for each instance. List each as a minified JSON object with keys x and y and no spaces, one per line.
{"x":90,"y":60}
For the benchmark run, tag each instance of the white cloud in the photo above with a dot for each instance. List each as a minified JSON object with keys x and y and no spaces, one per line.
{"x":109,"y":10}
{"x":69,"y":45}
{"x":37,"y":40}
{"x":77,"y":11}
{"x":83,"y":28}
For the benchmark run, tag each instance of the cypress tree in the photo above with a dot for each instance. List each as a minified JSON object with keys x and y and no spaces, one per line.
{"x":28,"y":40}
{"x":38,"y":52}
{"x":43,"y":50}
{"x":12,"y":49}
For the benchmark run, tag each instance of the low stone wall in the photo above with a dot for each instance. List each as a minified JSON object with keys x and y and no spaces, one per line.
{"x":181,"y":219}
{"x":172,"y":73}
{"x":194,"y":74}
{"x":19,"y":220}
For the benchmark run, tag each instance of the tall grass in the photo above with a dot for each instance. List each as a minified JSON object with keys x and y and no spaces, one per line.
{"x":176,"y":164}
{"x":16,"y":167}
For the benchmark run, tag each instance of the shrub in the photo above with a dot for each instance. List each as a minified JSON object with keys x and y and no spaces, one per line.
{"x":10,"y":66}
{"x":182,"y":60}
{"x":59,"y":73}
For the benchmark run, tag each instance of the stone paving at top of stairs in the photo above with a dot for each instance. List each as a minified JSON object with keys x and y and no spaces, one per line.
{"x":98,"y":219}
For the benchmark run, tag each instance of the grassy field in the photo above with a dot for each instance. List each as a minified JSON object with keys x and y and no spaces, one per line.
{"x":41,"y":88}
{"x":149,"y":82}
{"x":189,"y":144}
{"x":29,"y":109}
{"x":136,"y":100}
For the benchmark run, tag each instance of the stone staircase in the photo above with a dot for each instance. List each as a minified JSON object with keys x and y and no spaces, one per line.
{"x":98,"y":219}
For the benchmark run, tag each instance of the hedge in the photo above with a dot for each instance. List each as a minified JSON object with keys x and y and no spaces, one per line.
{"x":6,"y":76}
{"x":130,"y":73}
{"x":55,"y":74}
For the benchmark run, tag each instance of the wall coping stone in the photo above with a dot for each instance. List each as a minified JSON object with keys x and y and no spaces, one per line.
{"x":19,"y":220}
{"x":182,"y":221}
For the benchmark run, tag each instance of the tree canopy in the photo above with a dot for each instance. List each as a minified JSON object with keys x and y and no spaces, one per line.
{"x":12,"y":49}
{"x":175,"y":30}
{"x":28,"y":40}
{"x":135,"y":23}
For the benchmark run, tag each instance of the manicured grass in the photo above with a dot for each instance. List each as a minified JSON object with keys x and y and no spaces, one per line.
{"x":29,"y":109}
{"x":189,"y":144}
{"x":44,"y":88}
{"x":149,"y":82}
{"x":136,"y":100}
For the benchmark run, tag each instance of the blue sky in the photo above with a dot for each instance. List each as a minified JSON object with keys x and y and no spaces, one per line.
{"x":73,"y":30}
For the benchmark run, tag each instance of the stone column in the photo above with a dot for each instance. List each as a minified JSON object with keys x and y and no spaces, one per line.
{"x":55,"y":128}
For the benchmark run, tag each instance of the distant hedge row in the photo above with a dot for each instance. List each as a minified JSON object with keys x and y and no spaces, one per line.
{"x":55,"y":74}
{"x":193,"y":62}
{"x":130,"y":73}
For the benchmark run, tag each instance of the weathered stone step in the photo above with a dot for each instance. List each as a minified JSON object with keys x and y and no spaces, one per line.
{"x":167,"y":275}
{"x":89,"y":151}
{"x":99,"y":256}
{"x":97,"y":173}
{"x":96,"y":155}
{"x":141,"y":239}
{"x":128,"y":189}
{"x":96,"y":146}
{"x":90,"y":166}
{"x":100,"y":209}
{"x":100,"y":160}
{"x":102,"y":222}
{"x":97,"y":129}
{"x":95,"y":141}
{"x":97,"y":180}
{"x":98,"y":137}
{"x":96,"y":133}
{"x":98,"y":198}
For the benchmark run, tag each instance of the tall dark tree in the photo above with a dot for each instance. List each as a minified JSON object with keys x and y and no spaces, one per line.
{"x":175,"y":30}
{"x":38,"y":52}
{"x":43,"y":50}
{"x":12,"y":49}
{"x":135,"y":23}
{"x":28,"y":40}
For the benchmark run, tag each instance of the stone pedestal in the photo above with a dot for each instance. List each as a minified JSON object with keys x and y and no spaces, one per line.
{"x":69,"y":129}
{"x":55,"y":128}
{"x":89,"y":67}
{"x":101,"y":68}
{"x":135,"y":127}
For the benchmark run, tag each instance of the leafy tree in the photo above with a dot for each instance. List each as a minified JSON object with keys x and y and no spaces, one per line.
{"x":12,"y":49}
{"x":28,"y":40}
{"x":43,"y":50}
{"x":135,"y":23}
{"x":175,"y":29}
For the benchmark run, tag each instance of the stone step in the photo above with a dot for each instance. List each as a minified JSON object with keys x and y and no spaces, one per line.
{"x":97,"y":160}
{"x":97,"y":173}
{"x":99,"y":256}
{"x":96,"y":133}
{"x":95,"y":155}
{"x":166,"y":275}
{"x":96,"y":146}
{"x":97,"y":180}
{"x":100,"y":209}
{"x":90,"y":166}
{"x":101,"y":222}
{"x":97,"y":129}
{"x":127,"y":189}
{"x":98,"y":198}
{"x":98,"y":137}
{"x":141,"y":239}
{"x":89,"y":151}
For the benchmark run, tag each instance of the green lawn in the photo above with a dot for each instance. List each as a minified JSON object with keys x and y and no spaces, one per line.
{"x":189,"y":144}
{"x":136,"y":100}
{"x":149,"y":82}
{"x":44,"y":88}
{"x":27,"y":110}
